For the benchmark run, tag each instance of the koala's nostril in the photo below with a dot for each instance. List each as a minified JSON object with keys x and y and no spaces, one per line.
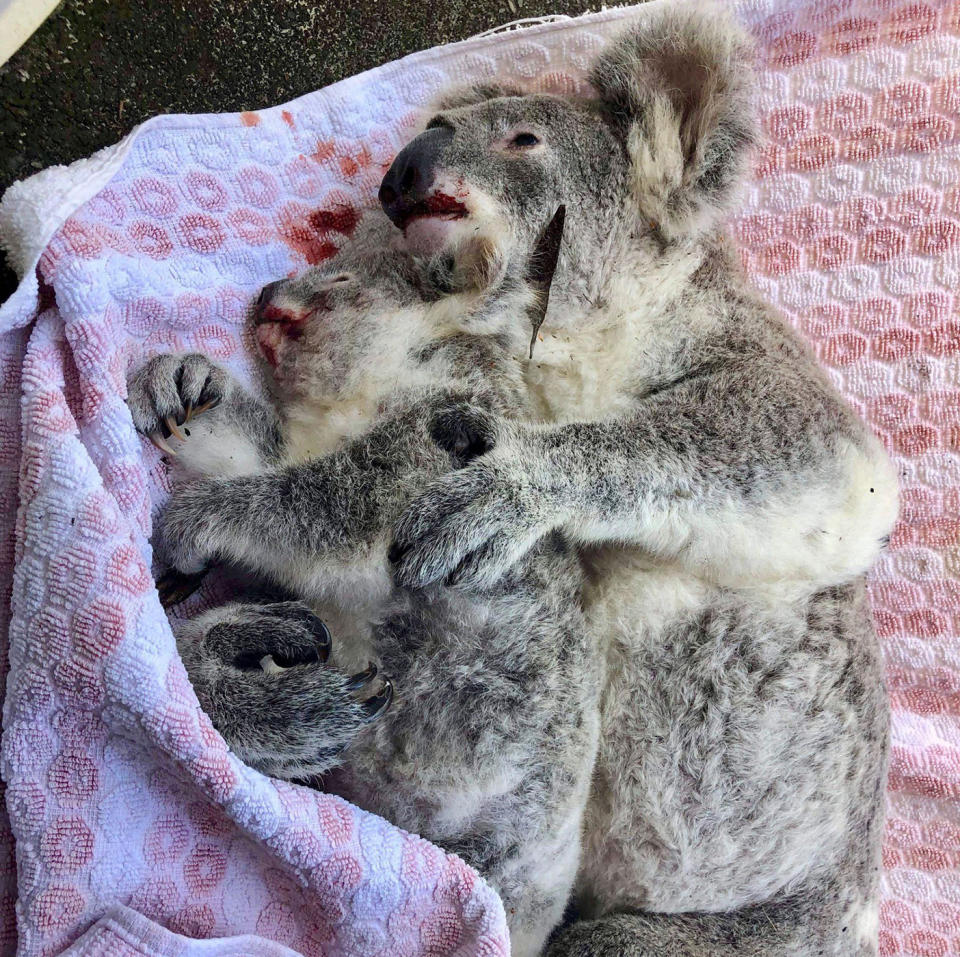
{"x":266,"y":293}
{"x":409,"y":179}
{"x":412,"y":173}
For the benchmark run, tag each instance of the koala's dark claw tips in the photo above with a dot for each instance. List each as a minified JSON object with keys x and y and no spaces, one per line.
{"x":357,"y":681}
{"x":321,"y":634}
{"x":175,"y":587}
{"x":375,"y":706}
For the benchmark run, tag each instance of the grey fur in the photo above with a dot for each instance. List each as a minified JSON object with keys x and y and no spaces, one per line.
{"x":725,"y":500}
{"x":489,"y":742}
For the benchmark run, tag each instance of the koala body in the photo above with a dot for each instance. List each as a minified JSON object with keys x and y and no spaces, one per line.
{"x":380,"y":386}
{"x":725,"y":501}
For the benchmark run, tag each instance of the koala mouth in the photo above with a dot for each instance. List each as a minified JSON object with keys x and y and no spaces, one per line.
{"x":274,"y":328}
{"x":438,"y":206}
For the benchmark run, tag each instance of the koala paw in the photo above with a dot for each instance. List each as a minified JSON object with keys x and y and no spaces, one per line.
{"x":169,"y":391}
{"x":260,"y":673}
{"x":470,"y":527}
{"x":465,"y":431}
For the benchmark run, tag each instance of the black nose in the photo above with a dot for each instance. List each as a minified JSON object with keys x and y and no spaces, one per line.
{"x":263,"y":300}
{"x":409,"y":179}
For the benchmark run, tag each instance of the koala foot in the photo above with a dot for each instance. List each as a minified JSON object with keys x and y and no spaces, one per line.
{"x":169,"y":391}
{"x":260,"y":673}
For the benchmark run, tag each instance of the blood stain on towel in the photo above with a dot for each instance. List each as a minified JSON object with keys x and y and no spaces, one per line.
{"x":296,"y":229}
{"x":323,"y":151}
{"x":288,"y":118}
{"x":341,"y":219}
{"x":250,"y":119}
{"x":351,"y":165}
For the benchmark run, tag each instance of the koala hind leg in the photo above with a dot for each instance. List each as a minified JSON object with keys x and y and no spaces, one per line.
{"x":260,"y":673}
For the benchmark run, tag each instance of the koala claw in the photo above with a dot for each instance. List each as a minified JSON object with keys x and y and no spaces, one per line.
{"x":375,"y":705}
{"x":175,"y":587}
{"x":169,"y":391}
{"x":357,"y":681}
{"x":192,"y":410}
{"x":161,"y":443}
{"x":171,"y":424}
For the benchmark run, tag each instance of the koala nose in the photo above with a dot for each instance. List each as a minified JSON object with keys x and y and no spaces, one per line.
{"x":412,"y":173}
{"x":264,"y":299}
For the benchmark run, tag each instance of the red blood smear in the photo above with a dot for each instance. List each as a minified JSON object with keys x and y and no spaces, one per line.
{"x":288,"y":118}
{"x":323,"y":151}
{"x":304,"y":241}
{"x":340,"y":219}
{"x":276,"y":314}
{"x":442,"y":203}
{"x":296,"y":230}
{"x":249,"y":119}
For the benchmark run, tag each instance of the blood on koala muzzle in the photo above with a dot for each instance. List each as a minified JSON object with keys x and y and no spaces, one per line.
{"x":406,"y":189}
{"x":275,"y":324}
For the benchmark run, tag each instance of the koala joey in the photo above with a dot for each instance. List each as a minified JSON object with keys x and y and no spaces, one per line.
{"x":724,"y":501}
{"x":379,"y":386}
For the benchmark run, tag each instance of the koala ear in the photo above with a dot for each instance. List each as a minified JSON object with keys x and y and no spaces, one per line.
{"x":679,"y":87}
{"x":471,"y":95}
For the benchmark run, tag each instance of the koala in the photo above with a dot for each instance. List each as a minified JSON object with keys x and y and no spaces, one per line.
{"x":723,"y":500}
{"x":726,"y":502}
{"x":483,"y":736}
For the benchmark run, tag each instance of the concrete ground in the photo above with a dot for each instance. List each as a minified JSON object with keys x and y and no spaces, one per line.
{"x":96,"y":68}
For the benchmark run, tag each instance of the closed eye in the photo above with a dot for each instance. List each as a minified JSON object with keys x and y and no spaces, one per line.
{"x":524,"y":141}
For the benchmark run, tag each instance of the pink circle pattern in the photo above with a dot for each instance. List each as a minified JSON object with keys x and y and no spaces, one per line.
{"x":117,"y":787}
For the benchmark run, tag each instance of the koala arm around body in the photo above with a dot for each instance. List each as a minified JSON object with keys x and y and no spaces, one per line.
{"x":704,"y":472}
{"x":323,"y":510}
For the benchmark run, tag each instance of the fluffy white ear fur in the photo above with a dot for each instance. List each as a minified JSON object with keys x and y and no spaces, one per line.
{"x":680,"y":87}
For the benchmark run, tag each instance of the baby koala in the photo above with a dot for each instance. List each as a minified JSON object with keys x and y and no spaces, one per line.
{"x":382,"y":381}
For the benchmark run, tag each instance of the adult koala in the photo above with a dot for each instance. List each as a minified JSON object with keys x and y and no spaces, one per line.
{"x":726,"y":499}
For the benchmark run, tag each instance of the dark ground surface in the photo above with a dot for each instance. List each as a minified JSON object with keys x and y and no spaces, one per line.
{"x":96,"y":68}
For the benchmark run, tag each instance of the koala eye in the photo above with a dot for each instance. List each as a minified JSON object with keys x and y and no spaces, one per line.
{"x":524,"y":141}
{"x":343,"y":277}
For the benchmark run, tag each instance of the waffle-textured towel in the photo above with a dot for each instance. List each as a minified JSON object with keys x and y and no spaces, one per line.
{"x":118,"y":789}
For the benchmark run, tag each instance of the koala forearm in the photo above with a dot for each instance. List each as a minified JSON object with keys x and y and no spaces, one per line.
{"x":282,"y":518}
{"x":694,"y":458}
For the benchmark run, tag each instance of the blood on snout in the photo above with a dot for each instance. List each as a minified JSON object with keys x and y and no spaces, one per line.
{"x":276,"y":325}
{"x":440,"y":203}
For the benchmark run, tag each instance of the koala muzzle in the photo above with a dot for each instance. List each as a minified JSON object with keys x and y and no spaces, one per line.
{"x":406,"y":187}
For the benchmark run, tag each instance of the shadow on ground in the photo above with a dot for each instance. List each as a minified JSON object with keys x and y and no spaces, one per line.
{"x":96,"y":68}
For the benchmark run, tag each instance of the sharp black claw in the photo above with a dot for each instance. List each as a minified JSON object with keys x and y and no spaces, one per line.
{"x":321,"y":634}
{"x":175,"y":587}
{"x":357,"y":681}
{"x":308,"y":656}
{"x":375,"y":706}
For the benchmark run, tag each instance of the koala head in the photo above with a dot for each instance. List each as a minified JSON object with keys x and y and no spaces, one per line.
{"x":359,"y":323}
{"x":327,"y":330}
{"x":654,"y":159}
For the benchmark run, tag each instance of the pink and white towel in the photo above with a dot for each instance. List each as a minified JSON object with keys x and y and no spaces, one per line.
{"x":124,"y":805}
